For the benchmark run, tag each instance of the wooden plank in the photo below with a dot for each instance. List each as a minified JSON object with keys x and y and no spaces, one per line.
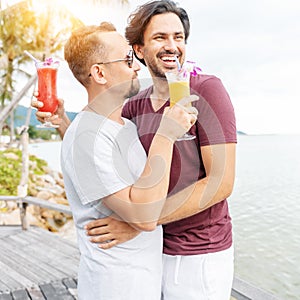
{"x":64,"y":256}
{"x":71,"y":285}
{"x":3,"y":287}
{"x":37,"y":262}
{"x":8,"y":230}
{"x":39,"y":232}
{"x":34,"y":258}
{"x":238,"y":296}
{"x":6,"y":296}
{"x":12,"y":278}
{"x":56,"y":291}
{"x":245,"y":289}
{"x":66,"y":266}
{"x":19,"y":238}
{"x":35,"y":293}
{"x":30,"y":269}
{"x":20,"y":295}
{"x":65,"y":263}
{"x":66,"y":247}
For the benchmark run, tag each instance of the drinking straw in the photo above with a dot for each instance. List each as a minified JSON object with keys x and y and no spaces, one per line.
{"x":31,"y":56}
{"x":177,"y":63}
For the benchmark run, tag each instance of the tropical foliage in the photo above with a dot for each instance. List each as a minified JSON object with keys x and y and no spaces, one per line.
{"x":10,"y":170}
{"x":41,"y":31}
{"x":23,"y":28}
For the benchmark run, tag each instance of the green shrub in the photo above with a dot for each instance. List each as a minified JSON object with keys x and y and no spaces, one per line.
{"x":44,"y":134}
{"x":10,"y":171}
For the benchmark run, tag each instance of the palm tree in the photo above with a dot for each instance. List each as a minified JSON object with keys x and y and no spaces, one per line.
{"x":42,"y":33}
{"x":22,"y":28}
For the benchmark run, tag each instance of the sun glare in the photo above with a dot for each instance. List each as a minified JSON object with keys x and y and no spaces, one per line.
{"x":44,"y":5}
{"x":87,"y":11}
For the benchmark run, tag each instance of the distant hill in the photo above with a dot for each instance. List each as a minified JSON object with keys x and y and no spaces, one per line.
{"x":241,"y":132}
{"x":21,"y":113}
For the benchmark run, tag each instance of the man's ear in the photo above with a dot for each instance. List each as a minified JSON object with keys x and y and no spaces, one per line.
{"x":139,"y":51}
{"x":98,"y":74}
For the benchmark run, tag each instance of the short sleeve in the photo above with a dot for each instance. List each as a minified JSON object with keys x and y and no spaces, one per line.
{"x":99,"y":167}
{"x":216,"y":122}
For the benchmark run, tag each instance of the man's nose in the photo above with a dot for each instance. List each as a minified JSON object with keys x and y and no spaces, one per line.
{"x":170,"y":44}
{"x":136,"y":65}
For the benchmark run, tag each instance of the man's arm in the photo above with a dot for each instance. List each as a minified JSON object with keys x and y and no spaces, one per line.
{"x":141,"y":203}
{"x":219,"y":161}
{"x":63,"y":126}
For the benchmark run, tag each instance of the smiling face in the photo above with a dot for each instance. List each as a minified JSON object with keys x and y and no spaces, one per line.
{"x":163,"y":39}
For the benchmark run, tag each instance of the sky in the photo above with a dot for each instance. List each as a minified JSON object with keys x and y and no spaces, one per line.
{"x":252,"y":46}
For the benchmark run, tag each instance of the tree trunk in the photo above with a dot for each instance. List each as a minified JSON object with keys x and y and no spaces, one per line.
{"x":11,"y":126}
{"x":23,"y":186}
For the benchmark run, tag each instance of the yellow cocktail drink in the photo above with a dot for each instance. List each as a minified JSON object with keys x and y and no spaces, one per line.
{"x":178,"y":90}
{"x":179,"y":86}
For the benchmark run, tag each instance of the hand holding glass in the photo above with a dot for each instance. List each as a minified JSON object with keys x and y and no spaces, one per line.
{"x":179,"y":87}
{"x":47,"y":77}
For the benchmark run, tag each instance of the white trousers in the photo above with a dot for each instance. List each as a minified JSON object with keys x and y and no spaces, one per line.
{"x":198,"y":277}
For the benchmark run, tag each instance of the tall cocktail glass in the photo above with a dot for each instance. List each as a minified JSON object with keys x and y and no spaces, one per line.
{"x":47,"y":77}
{"x":179,"y":87}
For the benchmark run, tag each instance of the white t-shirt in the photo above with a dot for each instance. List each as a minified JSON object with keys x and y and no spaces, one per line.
{"x":100,"y":157}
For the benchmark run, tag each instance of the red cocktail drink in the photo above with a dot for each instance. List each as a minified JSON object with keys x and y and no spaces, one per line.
{"x":47,"y":74}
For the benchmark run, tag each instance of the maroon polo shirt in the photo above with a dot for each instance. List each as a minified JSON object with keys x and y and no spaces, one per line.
{"x":210,"y":230}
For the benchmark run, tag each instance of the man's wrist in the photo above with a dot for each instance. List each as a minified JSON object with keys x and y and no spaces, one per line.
{"x":64,"y":125}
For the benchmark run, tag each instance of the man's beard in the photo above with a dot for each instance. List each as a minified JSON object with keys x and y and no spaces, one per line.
{"x":153,"y":66}
{"x":156,"y":72}
{"x":134,"y":88}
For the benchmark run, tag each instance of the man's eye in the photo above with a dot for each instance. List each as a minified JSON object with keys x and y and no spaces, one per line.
{"x":179,"y":37}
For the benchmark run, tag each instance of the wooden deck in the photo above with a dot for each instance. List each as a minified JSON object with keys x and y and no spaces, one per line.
{"x":36,"y":264}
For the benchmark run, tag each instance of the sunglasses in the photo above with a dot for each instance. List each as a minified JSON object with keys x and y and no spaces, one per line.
{"x":128,"y":59}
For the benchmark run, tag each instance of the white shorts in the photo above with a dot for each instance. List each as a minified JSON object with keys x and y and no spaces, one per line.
{"x":198,"y":277}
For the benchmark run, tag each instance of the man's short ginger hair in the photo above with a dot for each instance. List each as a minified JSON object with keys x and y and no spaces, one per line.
{"x":84,"y":48}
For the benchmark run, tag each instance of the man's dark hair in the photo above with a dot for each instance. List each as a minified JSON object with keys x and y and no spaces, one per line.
{"x":140,"y":18}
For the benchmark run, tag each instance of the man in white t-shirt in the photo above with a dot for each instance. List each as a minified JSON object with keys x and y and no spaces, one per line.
{"x":106,"y":170}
